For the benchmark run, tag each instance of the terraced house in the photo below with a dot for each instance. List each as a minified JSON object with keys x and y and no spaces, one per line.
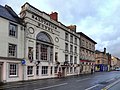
{"x":11,"y":45}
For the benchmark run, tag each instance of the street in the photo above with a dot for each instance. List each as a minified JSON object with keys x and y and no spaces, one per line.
{"x":97,"y":81}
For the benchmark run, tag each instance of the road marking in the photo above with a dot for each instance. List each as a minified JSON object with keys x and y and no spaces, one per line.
{"x":110,"y":85}
{"x":82,"y":79}
{"x":51,"y":86}
{"x":92,"y":87}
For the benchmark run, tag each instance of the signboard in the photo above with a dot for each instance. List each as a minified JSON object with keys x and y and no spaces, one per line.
{"x":23,"y":62}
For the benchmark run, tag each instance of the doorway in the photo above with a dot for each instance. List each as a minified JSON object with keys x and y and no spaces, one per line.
{"x":0,"y":72}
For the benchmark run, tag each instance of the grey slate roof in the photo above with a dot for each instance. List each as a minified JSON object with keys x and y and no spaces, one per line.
{"x":8,"y":13}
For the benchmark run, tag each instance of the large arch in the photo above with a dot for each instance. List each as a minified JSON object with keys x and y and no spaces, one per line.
{"x":44,"y":37}
{"x":44,"y":47}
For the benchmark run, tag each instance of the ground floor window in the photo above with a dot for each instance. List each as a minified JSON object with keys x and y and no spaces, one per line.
{"x":55,"y":70}
{"x":44,"y":70}
{"x":51,"y":70}
{"x":67,"y":70}
{"x":13,"y":69}
{"x":37,"y":70}
{"x":30,"y":70}
{"x":71,"y":69}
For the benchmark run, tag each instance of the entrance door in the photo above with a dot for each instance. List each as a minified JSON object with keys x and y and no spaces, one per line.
{"x":0,"y":72}
{"x":63,"y":72}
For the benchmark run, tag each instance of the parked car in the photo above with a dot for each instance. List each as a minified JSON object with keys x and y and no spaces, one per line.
{"x":117,"y":69}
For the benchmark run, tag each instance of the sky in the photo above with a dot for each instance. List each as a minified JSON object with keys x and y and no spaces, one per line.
{"x":98,"y":19}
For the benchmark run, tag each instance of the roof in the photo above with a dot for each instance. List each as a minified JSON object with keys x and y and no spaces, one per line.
{"x":82,"y":34}
{"x":8,"y":13}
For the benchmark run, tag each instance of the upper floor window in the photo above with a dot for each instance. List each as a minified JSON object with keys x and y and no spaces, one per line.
{"x":66,"y":46}
{"x":86,"y":44}
{"x":66,"y":37}
{"x":71,"y":38}
{"x":71,"y":59}
{"x":75,"y":40}
{"x":13,"y":30}
{"x":12,"y":50}
{"x":75,"y":49}
{"x":83,"y":43}
{"x":66,"y":57}
{"x":71,"y":48}
{"x":44,"y":49}
{"x":75,"y":60}
{"x":89,"y":45}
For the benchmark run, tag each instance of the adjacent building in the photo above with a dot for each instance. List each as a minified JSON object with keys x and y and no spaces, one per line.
{"x":115,"y":62}
{"x":87,"y":53}
{"x":103,"y":60}
{"x":11,"y":45}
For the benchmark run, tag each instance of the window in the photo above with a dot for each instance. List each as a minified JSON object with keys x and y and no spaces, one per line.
{"x":66,"y":46}
{"x":71,"y":59}
{"x":75,"y":40}
{"x":51,"y":70}
{"x":37,"y":51}
{"x":56,"y":56}
{"x":75,"y":49}
{"x":66,"y":37}
{"x":44,"y":52}
{"x":71,"y":48}
{"x":30,"y":70}
{"x":86,"y":44}
{"x":37,"y":70}
{"x":13,"y":30}
{"x":51,"y":54}
{"x":83,"y":43}
{"x":13,"y":69}
{"x":75,"y":60}
{"x":55,"y":69}
{"x":67,"y":70}
{"x":44,"y":70}
{"x":12,"y":50}
{"x":71,"y":38}
{"x":71,"y":69}
{"x":30,"y":53}
{"x":66,"y":57}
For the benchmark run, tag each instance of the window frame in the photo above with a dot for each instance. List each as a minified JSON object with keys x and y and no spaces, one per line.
{"x":16,"y":69}
{"x":9,"y":55}
{"x":16,"y":30}
{"x":29,"y":72}
{"x":44,"y":71}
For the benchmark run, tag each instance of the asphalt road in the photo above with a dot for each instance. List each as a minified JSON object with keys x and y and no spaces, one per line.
{"x":97,"y":81}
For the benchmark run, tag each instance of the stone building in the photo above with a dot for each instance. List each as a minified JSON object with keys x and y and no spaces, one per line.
{"x":115,"y":62}
{"x":87,"y":53}
{"x":103,"y":60}
{"x":51,"y":47}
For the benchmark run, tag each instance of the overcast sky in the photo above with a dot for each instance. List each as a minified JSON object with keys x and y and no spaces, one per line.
{"x":99,"y":19}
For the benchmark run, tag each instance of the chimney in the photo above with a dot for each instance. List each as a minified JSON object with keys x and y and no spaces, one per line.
{"x":72,"y":27}
{"x":54,"y":16}
{"x":104,"y":50}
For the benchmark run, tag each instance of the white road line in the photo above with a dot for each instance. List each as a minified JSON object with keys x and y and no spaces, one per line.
{"x":82,"y":79}
{"x":112,"y":84}
{"x":92,"y":87}
{"x":51,"y":86}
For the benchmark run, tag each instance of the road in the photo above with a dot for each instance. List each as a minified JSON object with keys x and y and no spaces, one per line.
{"x":97,"y":81}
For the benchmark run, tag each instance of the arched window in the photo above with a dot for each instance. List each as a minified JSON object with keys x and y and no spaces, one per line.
{"x":44,"y":47}
{"x":42,"y":36}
